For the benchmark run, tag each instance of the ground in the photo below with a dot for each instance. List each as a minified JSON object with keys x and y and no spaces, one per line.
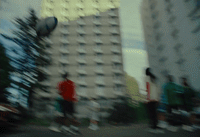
{"x":136,"y":130}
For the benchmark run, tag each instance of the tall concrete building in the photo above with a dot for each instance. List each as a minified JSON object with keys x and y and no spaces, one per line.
{"x":87,"y":45}
{"x":171,"y":31}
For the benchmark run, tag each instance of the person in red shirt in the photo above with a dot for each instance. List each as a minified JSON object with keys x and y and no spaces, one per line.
{"x":66,"y":89}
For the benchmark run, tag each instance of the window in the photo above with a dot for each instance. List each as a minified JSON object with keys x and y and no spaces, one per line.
{"x":160,"y":47}
{"x":98,"y":55}
{"x":154,"y":15}
{"x":81,"y":55}
{"x":63,"y":66}
{"x":99,"y":66}
{"x":177,"y":47}
{"x":174,"y":33}
{"x":81,"y":77}
{"x":81,"y":26}
{"x":99,"y":77}
{"x":117,"y":77}
{"x":64,"y":36}
{"x":117,"y":66}
{"x":82,"y":46}
{"x":81,"y":66}
{"x":118,"y":88}
{"x":158,"y":37}
{"x":172,"y":19}
{"x":64,"y":46}
{"x":64,"y":56}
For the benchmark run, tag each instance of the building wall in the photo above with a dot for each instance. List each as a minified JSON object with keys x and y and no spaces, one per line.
{"x":68,"y":47}
{"x":171,"y":40}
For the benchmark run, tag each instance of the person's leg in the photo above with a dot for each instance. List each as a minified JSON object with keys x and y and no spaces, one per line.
{"x":154,"y":115}
{"x":149,"y":110}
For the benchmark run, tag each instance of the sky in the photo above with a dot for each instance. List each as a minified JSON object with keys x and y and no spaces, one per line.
{"x":134,"y":53}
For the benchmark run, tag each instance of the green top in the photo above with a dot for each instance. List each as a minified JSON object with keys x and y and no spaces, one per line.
{"x":188,"y":95}
{"x":172,"y":91}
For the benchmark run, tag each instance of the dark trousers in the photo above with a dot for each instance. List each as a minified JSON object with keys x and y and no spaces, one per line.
{"x":152,"y":111}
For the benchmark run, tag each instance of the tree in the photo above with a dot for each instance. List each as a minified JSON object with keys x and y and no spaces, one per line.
{"x":5,"y":68}
{"x":34,"y":55}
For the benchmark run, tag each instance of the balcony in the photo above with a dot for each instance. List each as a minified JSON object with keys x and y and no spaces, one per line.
{"x":82,"y":93}
{"x":98,"y":50}
{"x":81,"y":82}
{"x":81,"y":71}
{"x":81,"y":60}
{"x":113,"y":22}
{"x":117,"y":71}
{"x":62,"y":71}
{"x":64,"y":31}
{"x":81,"y":22}
{"x":80,"y":31}
{"x":117,"y":59}
{"x":99,"y":71}
{"x":65,"y":23}
{"x":63,"y":50}
{"x":80,"y":5}
{"x":81,"y":40}
{"x":114,"y":31}
{"x":97,"y":22}
{"x":98,"y":60}
{"x":118,"y":82}
{"x":115,"y":50}
{"x":100,"y":82}
{"x":64,"y":41}
{"x":80,"y":50}
{"x":112,"y":14}
{"x":97,"y":31}
{"x":114,"y":40}
{"x":63,"y":61}
{"x":98,"y":40}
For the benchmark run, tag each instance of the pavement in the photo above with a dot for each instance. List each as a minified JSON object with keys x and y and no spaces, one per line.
{"x":136,"y":130}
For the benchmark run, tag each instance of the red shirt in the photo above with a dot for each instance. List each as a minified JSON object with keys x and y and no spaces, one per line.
{"x":67,"y":90}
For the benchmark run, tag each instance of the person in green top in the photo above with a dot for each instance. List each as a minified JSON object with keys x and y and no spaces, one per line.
{"x":173,"y":99}
{"x":172,"y":93}
{"x":188,"y":96}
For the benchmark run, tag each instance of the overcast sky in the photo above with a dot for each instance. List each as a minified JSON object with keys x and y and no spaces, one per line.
{"x":131,"y":28}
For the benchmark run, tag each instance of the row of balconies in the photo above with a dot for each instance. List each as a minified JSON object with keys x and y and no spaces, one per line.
{"x":96,"y":31}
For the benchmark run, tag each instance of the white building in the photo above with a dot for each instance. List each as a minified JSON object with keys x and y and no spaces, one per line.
{"x":172,"y":30}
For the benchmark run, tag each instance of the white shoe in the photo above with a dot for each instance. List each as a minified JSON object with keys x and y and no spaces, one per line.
{"x":54,"y":129}
{"x":152,"y":130}
{"x":188,"y":128}
{"x":67,"y":129}
{"x":172,"y":128}
{"x":160,"y":131}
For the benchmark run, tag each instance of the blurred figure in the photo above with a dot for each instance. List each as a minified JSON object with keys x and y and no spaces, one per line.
{"x":188,"y":96}
{"x":173,"y":100}
{"x":162,"y":123}
{"x":95,"y":108}
{"x":152,"y":100}
{"x":67,"y":91}
{"x":58,"y":114}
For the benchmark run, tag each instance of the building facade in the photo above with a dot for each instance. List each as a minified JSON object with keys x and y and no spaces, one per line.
{"x":87,"y":45}
{"x":171,"y":31}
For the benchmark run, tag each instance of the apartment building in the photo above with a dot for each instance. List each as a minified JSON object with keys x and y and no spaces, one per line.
{"x":87,"y":45}
{"x":171,"y":31}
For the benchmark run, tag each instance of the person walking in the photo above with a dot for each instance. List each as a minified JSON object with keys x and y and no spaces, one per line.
{"x":58,"y":115}
{"x":94,"y":119}
{"x":188,"y":97}
{"x":172,"y":93}
{"x":162,"y":123}
{"x":153,"y":94}
{"x":67,"y":91}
